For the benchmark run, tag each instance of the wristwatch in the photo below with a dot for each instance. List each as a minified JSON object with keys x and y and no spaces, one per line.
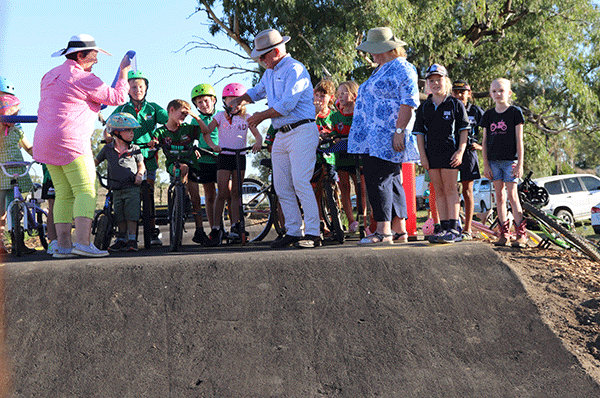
{"x":400,"y":130}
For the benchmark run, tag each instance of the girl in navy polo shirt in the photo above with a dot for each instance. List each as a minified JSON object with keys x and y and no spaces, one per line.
{"x":503,"y":158}
{"x":442,"y":127}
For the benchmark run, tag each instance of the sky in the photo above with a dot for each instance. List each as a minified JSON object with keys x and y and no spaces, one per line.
{"x":31,"y":30}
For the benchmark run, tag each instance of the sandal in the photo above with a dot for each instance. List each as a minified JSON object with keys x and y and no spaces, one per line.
{"x":377,"y":239}
{"x":353,"y":227}
{"x":401,"y":237}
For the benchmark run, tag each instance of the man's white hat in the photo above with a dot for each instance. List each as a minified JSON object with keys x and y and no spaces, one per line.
{"x":80,"y":43}
{"x":267,"y":40}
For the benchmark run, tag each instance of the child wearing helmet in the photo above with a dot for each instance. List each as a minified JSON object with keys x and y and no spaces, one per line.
{"x":125,"y":171}
{"x":149,"y":115}
{"x":204,"y":98}
{"x":233,"y":131}
{"x":176,"y":132}
{"x":12,"y":139}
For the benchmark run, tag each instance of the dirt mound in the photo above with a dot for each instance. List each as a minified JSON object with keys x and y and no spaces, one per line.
{"x":565,"y":287}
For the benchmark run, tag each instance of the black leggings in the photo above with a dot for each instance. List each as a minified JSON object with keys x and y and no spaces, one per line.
{"x":385,"y":191}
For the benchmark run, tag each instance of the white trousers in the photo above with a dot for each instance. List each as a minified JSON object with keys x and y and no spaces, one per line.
{"x":294,"y":156}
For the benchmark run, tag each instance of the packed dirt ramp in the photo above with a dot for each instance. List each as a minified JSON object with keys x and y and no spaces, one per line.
{"x":409,"y":320}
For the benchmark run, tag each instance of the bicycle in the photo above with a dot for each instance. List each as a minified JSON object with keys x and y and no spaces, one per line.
{"x":177,"y":193}
{"x":24,"y":215}
{"x":243,"y":234}
{"x":103,"y":224}
{"x":261,"y":206}
{"x":553,"y":229}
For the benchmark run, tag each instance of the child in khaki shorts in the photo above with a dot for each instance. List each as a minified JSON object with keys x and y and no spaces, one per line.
{"x":125,"y":171}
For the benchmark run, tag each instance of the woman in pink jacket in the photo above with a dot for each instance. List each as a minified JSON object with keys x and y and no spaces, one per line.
{"x":71,"y":96}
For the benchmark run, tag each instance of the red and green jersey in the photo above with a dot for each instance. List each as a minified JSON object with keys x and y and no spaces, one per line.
{"x":341,"y":129}
{"x":341,"y":124}
{"x":324,"y":123}
{"x":186,"y":134}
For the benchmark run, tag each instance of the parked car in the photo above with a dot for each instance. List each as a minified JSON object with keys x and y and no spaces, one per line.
{"x":483,"y":195}
{"x":571,"y":195}
{"x":596,"y":218}
{"x":420,"y":186}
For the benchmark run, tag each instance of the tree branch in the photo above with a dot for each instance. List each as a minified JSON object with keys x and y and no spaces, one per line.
{"x":231,"y":33}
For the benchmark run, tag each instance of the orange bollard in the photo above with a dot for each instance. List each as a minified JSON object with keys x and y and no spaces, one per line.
{"x":408,"y":182}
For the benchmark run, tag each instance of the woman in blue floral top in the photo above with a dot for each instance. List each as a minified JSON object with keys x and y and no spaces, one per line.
{"x":383,"y":112}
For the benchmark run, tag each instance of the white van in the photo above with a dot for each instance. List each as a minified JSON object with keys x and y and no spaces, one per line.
{"x":571,"y":195}
{"x":483,"y":195}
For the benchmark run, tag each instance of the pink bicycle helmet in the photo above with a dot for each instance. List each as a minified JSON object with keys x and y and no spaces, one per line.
{"x":8,"y":101}
{"x":234,"y":90}
{"x":428,"y":227}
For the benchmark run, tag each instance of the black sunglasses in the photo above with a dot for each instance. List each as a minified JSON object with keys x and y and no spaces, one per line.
{"x":262,"y":57}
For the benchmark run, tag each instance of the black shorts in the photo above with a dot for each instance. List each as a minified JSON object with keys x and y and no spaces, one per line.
{"x":228,"y":162}
{"x":348,"y":169}
{"x":207,"y":173}
{"x":469,"y":169}
{"x":48,"y":190}
{"x":439,"y":159}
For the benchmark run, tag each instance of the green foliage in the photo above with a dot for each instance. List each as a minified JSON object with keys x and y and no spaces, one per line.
{"x":547,"y":48}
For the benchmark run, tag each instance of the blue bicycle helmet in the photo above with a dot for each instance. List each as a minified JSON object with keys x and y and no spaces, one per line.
{"x":121,"y":121}
{"x":6,"y":86}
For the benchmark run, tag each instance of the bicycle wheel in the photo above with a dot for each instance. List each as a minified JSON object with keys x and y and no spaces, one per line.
{"x":16,"y":232}
{"x":331,"y":213}
{"x":575,"y":240}
{"x":176,"y":222}
{"x":259,"y":208}
{"x":147,"y":210}
{"x":103,"y":226}
{"x":40,"y":231}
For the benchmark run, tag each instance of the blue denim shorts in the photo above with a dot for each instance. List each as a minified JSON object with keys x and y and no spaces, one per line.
{"x":503,"y":170}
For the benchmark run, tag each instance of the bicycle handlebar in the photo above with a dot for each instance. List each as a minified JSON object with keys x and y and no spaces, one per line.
{"x":27,"y":166}
{"x":18,"y":119}
{"x":341,"y":146}
{"x":240,"y":150}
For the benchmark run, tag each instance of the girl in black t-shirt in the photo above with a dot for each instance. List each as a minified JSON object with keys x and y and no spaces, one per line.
{"x":503,"y":158}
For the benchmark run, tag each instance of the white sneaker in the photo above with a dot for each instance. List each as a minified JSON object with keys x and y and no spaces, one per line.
{"x":52,"y":247}
{"x":88,"y":251}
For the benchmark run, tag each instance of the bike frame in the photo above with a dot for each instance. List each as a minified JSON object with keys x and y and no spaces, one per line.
{"x":30,"y":207}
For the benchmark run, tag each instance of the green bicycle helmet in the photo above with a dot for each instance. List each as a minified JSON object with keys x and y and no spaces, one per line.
{"x":137,"y":74}
{"x":121,"y":121}
{"x":203,"y":89}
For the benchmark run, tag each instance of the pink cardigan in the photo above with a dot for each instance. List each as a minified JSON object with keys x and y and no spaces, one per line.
{"x":69,"y":106}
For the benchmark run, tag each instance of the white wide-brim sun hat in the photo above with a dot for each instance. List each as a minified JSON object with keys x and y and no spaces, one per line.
{"x":379,"y":41}
{"x":80,"y":43}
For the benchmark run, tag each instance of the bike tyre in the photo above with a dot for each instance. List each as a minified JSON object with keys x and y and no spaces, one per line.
{"x":176,"y":224}
{"x":17,"y":233}
{"x":332,"y":214}
{"x":577,"y":241}
{"x":147,"y":214}
{"x":255,"y":207}
{"x":104,"y":227}
{"x":42,"y":225}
